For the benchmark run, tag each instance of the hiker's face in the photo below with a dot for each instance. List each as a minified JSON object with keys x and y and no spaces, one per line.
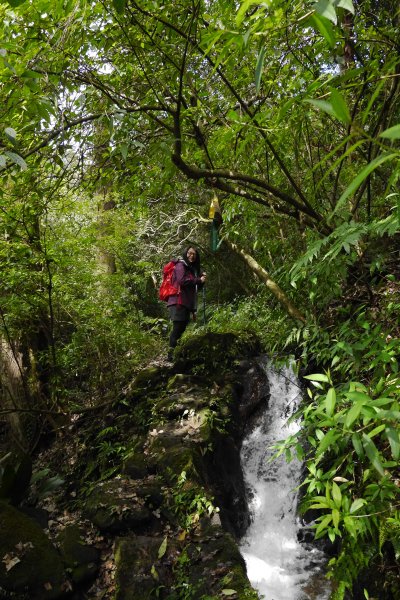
{"x":191,"y":255}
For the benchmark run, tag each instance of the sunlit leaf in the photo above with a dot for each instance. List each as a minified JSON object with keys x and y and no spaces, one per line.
{"x":330,"y":401}
{"x":259,"y":67}
{"x":317,"y":377}
{"x":340,"y":107}
{"x":356,"y":505}
{"x":163,"y":548}
{"x":393,"y":133}
{"x":326,"y":9}
{"x":17,"y":159}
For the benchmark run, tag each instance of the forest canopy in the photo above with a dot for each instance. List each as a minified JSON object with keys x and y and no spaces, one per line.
{"x":120,"y":122}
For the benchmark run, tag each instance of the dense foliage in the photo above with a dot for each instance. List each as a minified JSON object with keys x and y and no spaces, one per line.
{"x":119,"y":121}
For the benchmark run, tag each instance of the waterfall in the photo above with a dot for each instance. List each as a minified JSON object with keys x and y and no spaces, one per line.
{"x":278,"y":565}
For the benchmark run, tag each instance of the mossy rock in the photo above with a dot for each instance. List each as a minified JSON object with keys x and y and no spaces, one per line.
{"x":80,"y":559}
{"x":215,"y":563}
{"x":139,"y":570}
{"x":135,"y":465}
{"x":147,"y":380}
{"x":118,"y":505}
{"x":39,"y":574}
{"x":214,"y":353}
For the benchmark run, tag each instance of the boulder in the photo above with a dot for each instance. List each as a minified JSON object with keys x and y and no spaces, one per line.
{"x":29,"y":563}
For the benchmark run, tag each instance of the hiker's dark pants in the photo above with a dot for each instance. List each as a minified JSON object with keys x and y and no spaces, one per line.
{"x":180,"y":317}
{"x":178,"y":327}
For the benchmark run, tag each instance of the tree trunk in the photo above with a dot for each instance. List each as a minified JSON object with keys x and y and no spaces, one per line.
{"x":271,"y":285}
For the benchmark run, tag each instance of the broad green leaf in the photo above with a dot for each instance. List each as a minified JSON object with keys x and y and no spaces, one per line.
{"x":350,"y":524}
{"x":17,"y":159}
{"x":347,"y":5}
{"x":393,"y":133}
{"x":340,"y":107}
{"x":357,"y":181}
{"x":259,"y":68}
{"x":353,"y":414}
{"x":330,"y":401}
{"x":325,"y":28}
{"x":229,"y":592}
{"x":323,"y":525}
{"x":317,"y":377}
{"x":336,"y":494}
{"x":373,"y":454}
{"x":376,"y":430}
{"x":163,"y":548}
{"x":335,"y":518}
{"x":392,"y":435}
{"x":326,"y":8}
{"x":327,"y":440}
{"x":3,"y":161}
{"x":11,"y":134}
{"x":322,"y":105}
{"x":358,"y":397}
{"x":356,"y":505}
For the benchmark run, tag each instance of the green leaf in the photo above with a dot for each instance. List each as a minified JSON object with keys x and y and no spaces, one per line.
{"x":322,"y":526}
{"x":336,"y":494}
{"x":119,"y":6}
{"x":163,"y":548}
{"x":17,"y":159}
{"x":353,"y":414}
{"x":228,"y":592}
{"x":358,"y":447}
{"x":325,"y":28}
{"x":356,"y":505}
{"x":322,"y":105}
{"x":357,"y":181}
{"x":326,"y":9}
{"x":327,"y":440}
{"x":154,"y":573}
{"x":340,"y":107}
{"x":393,"y":133}
{"x":347,"y":5}
{"x":330,"y":401}
{"x":11,"y":134}
{"x":317,"y":377}
{"x":392,"y":435}
{"x":3,"y":161}
{"x":335,"y":518}
{"x":259,"y":67}
{"x":372,"y":452}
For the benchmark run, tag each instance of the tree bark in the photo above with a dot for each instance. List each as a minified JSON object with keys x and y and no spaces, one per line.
{"x":271,"y":285}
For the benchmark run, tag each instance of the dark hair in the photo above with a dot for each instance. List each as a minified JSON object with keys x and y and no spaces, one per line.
{"x":194,"y":266}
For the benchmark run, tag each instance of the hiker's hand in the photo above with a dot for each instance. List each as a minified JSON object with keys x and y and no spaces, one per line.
{"x":203,"y":277}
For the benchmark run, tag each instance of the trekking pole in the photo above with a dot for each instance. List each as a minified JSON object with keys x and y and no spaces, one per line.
{"x":204,"y":305}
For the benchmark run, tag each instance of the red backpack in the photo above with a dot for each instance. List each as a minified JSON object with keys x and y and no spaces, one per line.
{"x":166,"y":287}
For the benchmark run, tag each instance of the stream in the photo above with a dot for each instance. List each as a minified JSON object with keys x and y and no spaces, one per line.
{"x":278,"y":565}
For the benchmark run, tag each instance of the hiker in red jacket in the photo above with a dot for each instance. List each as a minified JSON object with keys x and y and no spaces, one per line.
{"x":187,"y":278}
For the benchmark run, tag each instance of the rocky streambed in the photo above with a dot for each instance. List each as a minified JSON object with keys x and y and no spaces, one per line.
{"x":171,"y":509}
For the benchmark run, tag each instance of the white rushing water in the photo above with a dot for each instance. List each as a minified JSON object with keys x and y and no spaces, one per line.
{"x":278,"y":565}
